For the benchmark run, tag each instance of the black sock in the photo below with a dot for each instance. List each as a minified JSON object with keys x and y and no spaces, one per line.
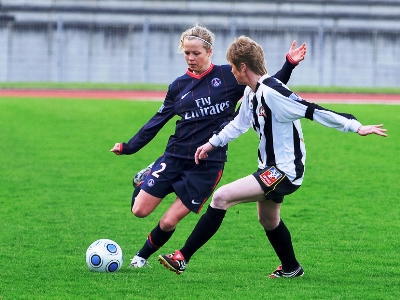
{"x":281,"y":241}
{"x":156,"y":239}
{"x":205,"y":228}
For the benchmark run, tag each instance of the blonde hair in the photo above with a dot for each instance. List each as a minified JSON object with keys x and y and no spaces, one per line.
{"x":244,"y":50}
{"x":197,"y":32}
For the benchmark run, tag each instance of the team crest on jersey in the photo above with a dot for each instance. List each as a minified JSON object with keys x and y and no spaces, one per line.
{"x":295,"y":97}
{"x":261,"y":112}
{"x":216,"y":82}
{"x":270,"y":176}
{"x":150,"y":183}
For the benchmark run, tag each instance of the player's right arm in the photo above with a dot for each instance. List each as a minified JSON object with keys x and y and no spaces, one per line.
{"x":236,"y":127}
{"x":149,"y":130}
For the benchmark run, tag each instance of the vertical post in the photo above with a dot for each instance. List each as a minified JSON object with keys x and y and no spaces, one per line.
{"x":146,"y":50}
{"x":49,"y":50}
{"x":321,"y":53}
{"x":233,"y":28}
{"x":171,"y":48}
{"x":90,"y":54}
{"x":131,"y":66}
{"x":333,"y":56}
{"x":374,"y":57}
{"x":10,"y":29}
{"x":59,"y":35}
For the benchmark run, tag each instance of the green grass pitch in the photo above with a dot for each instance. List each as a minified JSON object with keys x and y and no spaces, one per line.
{"x":61,"y":189}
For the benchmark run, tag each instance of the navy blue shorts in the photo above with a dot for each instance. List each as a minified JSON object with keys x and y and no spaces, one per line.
{"x":274,"y":183}
{"x":192,"y":183}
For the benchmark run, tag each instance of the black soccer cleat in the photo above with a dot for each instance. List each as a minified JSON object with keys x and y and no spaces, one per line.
{"x":174,"y":262}
{"x":139,"y":177}
{"x":279,"y":272}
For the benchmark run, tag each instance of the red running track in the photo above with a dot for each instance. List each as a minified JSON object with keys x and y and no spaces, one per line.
{"x":159,"y":96}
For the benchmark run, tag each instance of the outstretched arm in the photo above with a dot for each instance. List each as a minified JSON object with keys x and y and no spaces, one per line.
{"x":293,"y":58}
{"x":372,"y":129}
{"x":296,"y":55}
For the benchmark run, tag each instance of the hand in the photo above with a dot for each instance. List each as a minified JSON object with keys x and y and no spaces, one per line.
{"x":117,"y":149}
{"x":372,"y":129}
{"x":296,"y":55}
{"x":201,"y":152}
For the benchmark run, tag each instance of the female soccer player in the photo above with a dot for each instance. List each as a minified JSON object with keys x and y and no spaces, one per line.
{"x":204,"y":98}
{"x":274,"y":112}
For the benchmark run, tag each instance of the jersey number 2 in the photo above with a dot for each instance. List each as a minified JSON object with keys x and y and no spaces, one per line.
{"x":155,"y":173}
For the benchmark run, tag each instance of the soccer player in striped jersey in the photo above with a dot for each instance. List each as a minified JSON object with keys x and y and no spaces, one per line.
{"x":204,"y":98}
{"x":274,"y":112}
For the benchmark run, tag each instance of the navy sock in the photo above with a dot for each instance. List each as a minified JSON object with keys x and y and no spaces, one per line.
{"x":156,"y":239}
{"x":281,"y":241}
{"x":206,"y":227}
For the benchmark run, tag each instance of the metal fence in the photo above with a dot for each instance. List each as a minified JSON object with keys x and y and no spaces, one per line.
{"x":53,"y":46}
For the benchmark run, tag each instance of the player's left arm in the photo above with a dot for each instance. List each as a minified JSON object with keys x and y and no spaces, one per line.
{"x":342,"y":121}
{"x":372,"y":129}
{"x":293,"y":58}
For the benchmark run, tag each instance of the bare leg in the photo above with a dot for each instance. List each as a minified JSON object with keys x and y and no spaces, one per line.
{"x":164,"y":229}
{"x":246,"y":189}
{"x":145,"y":204}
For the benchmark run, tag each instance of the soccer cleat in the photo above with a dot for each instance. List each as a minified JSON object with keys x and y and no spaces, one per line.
{"x":138,"y":262}
{"x":174,"y":262}
{"x":139,"y":177}
{"x":279,"y":272}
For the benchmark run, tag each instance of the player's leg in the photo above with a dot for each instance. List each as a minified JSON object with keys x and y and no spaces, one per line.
{"x":277,"y":233}
{"x":161,"y":233}
{"x":175,"y":213}
{"x":269,"y":214}
{"x":281,"y":241}
{"x":276,"y":185}
{"x":154,"y":187}
{"x":142,"y":207}
{"x":138,"y":180}
{"x":144,"y":204}
{"x":246,"y":189}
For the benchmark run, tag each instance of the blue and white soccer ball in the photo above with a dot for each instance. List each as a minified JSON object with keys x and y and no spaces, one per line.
{"x":104,"y":255}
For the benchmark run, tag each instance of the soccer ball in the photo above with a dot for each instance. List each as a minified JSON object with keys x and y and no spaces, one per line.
{"x":104,"y":255}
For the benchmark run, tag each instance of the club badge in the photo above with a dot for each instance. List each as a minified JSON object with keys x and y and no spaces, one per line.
{"x":261,"y":112}
{"x":216,"y":82}
{"x":271,"y":176}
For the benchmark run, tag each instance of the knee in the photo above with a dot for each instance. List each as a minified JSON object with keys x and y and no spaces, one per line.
{"x":139,"y":211}
{"x":168,"y":223}
{"x":268,"y":222}
{"x":219,"y":199}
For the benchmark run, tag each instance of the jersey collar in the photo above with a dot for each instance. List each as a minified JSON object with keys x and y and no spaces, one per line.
{"x":199,"y":76}
{"x":261,"y":80}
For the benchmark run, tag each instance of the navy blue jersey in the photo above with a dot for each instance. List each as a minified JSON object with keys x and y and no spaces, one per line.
{"x":203,"y":102}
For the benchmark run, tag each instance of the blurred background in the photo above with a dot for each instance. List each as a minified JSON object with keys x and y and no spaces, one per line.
{"x":349,"y":43}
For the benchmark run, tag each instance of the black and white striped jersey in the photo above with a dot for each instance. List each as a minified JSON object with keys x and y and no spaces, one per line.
{"x":202,"y":103}
{"x":274,"y":112}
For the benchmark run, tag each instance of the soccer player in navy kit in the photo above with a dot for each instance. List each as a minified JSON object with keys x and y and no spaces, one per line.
{"x":204,"y":98}
{"x":274,"y":112}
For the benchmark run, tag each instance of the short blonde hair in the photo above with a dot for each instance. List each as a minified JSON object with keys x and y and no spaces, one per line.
{"x":200,"y":32}
{"x":244,"y":50}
